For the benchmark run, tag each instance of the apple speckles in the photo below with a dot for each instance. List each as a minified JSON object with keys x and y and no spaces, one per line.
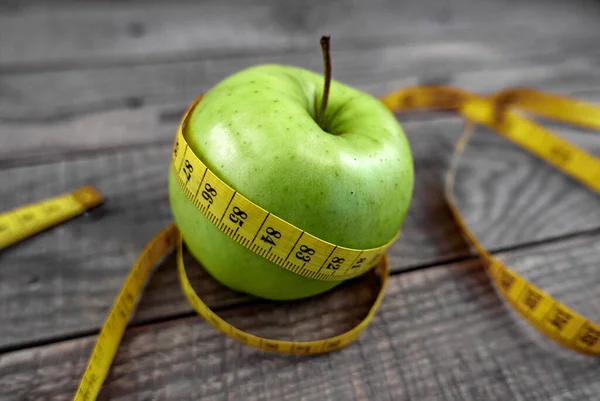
{"x":136,"y":29}
{"x":314,"y":168}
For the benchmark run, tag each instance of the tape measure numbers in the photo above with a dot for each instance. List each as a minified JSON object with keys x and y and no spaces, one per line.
{"x":552,"y":318}
{"x":244,"y":222}
{"x":260,"y":231}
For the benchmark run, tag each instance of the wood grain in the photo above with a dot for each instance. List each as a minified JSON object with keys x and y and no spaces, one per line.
{"x":64,"y":281}
{"x":517,"y":197}
{"x":474,"y":62}
{"x":68,"y":277}
{"x":38,"y":128}
{"x":38,"y":35}
{"x":50,"y":113}
{"x":91,"y":93}
{"x":441,"y":333}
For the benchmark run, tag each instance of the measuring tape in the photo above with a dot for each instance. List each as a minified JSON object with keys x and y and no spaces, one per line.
{"x":25,"y":221}
{"x":321,"y":260}
{"x":260,"y":231}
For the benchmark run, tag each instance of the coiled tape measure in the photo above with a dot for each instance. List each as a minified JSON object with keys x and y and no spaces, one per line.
{"x":225,"y":207}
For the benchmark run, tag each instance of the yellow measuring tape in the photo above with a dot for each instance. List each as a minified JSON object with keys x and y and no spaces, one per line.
{"x":260,"y":231}
{"x":300,"y":252}
{"x":23,"y":222}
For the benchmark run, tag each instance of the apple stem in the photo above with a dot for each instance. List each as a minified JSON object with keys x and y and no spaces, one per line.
{"x":327,"y":82}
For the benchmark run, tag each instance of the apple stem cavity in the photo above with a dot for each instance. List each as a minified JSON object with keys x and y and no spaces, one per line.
{"x":327,"y":81}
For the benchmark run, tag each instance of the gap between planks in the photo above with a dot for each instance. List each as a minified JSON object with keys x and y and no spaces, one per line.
{"x":252,"y":301}
{"x":408,"y":120}
{"x":442,"y":330}
{"x":217,"y":30}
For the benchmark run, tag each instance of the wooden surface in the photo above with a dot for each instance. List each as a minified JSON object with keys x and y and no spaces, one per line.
{"x":91,"y":93}
{"x":442,"y":333}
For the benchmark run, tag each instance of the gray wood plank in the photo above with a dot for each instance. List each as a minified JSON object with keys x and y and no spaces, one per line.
{"x":62,"y":34}
{"x":53,"y":114}
{"x":51,"y":95}
{"x":509,"y":196}
{"x":441,"y":333}
{"x":60,"y":267}
{"x":63,"y":281}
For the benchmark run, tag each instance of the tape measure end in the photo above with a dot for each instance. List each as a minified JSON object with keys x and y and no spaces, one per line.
{"x":88,"y":196}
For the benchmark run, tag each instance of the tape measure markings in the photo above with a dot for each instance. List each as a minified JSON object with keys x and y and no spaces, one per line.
{"x":561,"y":323}
{"x":573,"y":161}
{"x":112,"y":331}
{"x":290,"y":347}
{"x":248,"y":224}
{"x":512,"y":285}
{"x":549,"y":316}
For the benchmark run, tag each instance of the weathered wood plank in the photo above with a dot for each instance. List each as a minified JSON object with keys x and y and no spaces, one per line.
{"x":47,"y":114}
{"x":484,"y":63}
{"x":64,"y":281}
{"x":36,"y":34}
{"x":441,"y":333}
{"x":508,"y":196}
{"x":69,"y":276}
{"x":94,"y":112}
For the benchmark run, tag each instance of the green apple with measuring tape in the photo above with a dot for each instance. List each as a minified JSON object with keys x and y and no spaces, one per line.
{"x":325,"y":157}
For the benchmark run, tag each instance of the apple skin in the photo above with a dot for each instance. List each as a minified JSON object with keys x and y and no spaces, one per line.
{"x":350,"y":184}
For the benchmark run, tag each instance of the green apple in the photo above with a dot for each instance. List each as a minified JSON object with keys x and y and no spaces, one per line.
{"x":344,"y":174}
